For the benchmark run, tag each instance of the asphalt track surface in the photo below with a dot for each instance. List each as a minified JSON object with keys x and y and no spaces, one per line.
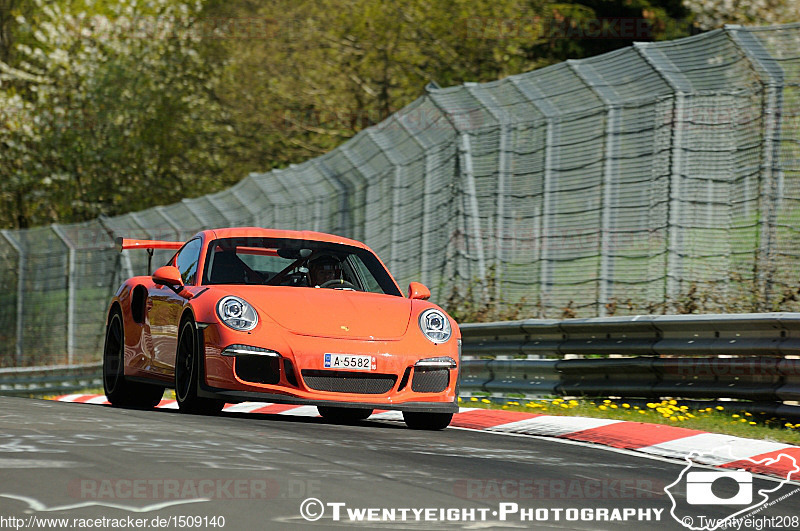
{"x":89,"y":462}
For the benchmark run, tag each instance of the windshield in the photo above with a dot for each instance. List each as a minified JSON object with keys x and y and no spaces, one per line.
{"x":299,"y":263}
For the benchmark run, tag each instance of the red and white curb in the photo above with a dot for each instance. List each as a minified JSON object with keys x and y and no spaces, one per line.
{"x":725,"y":451}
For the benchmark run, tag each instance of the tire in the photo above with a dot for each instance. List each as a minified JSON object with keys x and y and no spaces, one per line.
{"x":427,"y":421}
{"x":344,"y":415}
{"x":187,"y":375}
{"x":118,"y":390}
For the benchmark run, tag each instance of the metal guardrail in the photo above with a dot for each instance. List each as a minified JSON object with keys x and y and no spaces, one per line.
{"x":752,"y":357}
{"x":55,"y":379}
{"x":745,"y":357}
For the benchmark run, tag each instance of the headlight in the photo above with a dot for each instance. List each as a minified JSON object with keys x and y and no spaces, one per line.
{"x":444,"y":362}
{"x":248,"y":350}
{"x":237,"y":314}
{"x":435,"y":325}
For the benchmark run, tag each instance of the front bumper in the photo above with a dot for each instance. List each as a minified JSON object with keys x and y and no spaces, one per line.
{"x":222,"y":379}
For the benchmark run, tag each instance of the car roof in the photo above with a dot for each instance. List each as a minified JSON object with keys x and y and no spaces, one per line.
{"x":260,"y":232}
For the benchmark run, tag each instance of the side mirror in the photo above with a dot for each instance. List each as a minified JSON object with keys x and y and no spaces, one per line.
{"x":418,"y":291}
{"x":168,"y":276}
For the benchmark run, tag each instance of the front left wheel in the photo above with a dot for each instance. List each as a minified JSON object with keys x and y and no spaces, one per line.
{"x":118,"y":390}
{"x":187,"y":374}
{"x":344,"y":415}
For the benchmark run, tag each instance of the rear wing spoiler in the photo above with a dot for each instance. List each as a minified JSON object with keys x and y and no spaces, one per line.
{"x":149,"y":245}
{"x":127,"y":243}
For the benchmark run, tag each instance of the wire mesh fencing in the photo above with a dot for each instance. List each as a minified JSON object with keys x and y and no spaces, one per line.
{"x":652,"y":177}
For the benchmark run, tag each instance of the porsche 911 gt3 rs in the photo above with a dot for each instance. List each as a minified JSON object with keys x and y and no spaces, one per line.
{"x":296,"y":317}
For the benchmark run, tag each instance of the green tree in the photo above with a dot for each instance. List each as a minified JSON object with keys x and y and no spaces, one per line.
{"x":111,"y":106}
{"x":309,"y":74}
{"x":104,"y":113}
{"x":710,"y":14}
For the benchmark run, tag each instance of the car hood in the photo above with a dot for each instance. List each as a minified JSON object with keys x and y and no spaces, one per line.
{"x":329,"y":312}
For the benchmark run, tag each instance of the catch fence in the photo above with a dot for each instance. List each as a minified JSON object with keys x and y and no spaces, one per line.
{"x":633,"y":182}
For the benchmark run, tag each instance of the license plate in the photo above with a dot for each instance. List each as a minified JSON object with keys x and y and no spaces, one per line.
{"x":350,"y":361}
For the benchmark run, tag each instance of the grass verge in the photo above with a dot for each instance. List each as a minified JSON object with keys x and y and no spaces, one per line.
{"x":714,"y":420}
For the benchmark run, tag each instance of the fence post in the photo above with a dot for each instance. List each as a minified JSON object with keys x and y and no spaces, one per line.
{"x":674,"y":231}
{"x":396,"y":196}
{"x":468,"y":174}
{"x":70,"y":292}
{"x":276,"y":176}
{"x":425,"y":251}
{"x":250,"y":203}
{"x":680,"y":86}
{"x":551,"y":113}
{"x":214,"y":202}
{"x":191,"y":206}
{"x":259,"y":179}
{"x":20,"y":292}
{"x":346,"y":224}
{"x":772,"y":75}
{"x":612,"y":132}
{"x":359,"y":222}
{"x":503,"y":172}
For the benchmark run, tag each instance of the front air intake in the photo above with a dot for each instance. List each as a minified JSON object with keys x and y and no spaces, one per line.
{"x":349,"y":382}
{"x":430,"y":381}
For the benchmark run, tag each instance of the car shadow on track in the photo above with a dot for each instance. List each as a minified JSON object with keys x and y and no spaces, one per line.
{"x":273,"y":417}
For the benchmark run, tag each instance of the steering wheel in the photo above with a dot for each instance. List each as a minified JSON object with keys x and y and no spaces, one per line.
{"x":337,"y":283}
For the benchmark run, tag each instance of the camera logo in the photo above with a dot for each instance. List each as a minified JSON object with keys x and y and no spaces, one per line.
{"x":705,"y":488}
{"x":711,"y":500}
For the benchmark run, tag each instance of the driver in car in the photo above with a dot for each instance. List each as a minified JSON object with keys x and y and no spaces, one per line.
{"x":323,"y":269}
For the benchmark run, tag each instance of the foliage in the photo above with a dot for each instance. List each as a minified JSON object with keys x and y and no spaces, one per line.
{"x":112,"y":106}
{"x":710,"y":14}
{"x":303,"y":76}
{"x":481,"y":301}
{"x":102,"y":114}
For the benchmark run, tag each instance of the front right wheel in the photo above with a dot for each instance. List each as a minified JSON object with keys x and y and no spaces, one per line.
{"x":187,"y":375}
{"x":427,"y":421}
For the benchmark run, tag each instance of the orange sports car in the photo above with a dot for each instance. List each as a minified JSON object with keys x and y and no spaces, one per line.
{"x":251,"y":314}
